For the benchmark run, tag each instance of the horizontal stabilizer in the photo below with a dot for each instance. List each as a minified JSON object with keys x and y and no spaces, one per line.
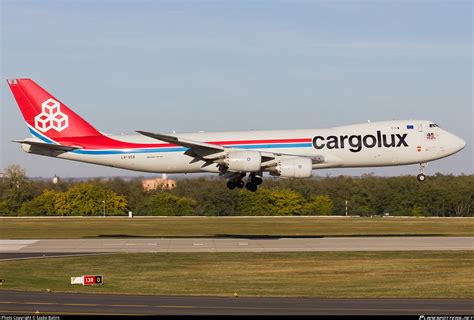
{"x":47,"y":146}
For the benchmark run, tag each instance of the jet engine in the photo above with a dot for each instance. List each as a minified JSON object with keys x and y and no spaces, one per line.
{"x":243,"y":161}
{"x":294,"y":167}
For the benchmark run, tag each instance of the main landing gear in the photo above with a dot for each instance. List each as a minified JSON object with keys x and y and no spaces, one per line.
{"x":421,"y":177}
{"x":251,"y":186}
{"x":231,"y":184}
{"x":257,"y":180}
{"x":253,"y":181}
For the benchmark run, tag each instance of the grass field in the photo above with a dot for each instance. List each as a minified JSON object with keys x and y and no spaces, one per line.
{"x":42,"y":228}
{"x":316,"y":274}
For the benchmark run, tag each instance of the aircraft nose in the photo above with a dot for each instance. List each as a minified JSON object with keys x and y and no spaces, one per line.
{"x":459,"y":143}
{"x":455,"y":143}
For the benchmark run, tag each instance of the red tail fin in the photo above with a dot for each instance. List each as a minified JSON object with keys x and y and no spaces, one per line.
{"x":46,"y":114}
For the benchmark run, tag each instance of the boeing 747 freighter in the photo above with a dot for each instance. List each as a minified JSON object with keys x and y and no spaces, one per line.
{"x":241,"y":157}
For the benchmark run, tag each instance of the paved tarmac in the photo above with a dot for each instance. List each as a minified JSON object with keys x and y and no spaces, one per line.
{"x":15,"y":302}
{"x":75,"y":246}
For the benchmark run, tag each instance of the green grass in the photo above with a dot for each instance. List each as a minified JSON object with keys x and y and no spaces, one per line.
{"x":447,"y":274}
{"x":43,"y":228}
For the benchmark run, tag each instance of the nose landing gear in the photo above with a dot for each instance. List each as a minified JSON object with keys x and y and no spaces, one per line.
{"x":421,"y":177}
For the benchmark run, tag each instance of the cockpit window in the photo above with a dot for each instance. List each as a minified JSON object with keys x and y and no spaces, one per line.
{"x":433,"y":125}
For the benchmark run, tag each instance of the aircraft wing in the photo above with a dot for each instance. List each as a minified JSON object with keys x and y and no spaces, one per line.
{"x":202,"y":149}
{"x":212,"y":152}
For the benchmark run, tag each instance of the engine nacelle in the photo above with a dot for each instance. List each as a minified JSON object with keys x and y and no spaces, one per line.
{"x":245,"y":161}
{"x":295,"y":167}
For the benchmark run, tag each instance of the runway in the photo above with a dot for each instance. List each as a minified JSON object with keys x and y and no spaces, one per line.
{"x":81,"y":246}
{"x":14,"y":302}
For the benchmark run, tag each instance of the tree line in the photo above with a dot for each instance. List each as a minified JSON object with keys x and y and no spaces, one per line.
{"x":440,"y":195}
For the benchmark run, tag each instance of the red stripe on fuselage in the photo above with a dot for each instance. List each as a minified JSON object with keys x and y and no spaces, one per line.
{"x":104,"y":142}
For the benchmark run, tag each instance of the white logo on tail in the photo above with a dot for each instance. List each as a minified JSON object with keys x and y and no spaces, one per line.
{"x":51,"y":117}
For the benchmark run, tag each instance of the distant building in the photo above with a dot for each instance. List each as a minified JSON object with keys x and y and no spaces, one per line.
{"x":158,"y":183}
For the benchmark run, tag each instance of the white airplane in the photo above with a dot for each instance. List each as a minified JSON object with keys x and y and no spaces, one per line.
{"x":236,"y":155}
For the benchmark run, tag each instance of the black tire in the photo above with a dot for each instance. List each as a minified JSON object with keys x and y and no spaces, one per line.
{"x":240,"y":184}
{"x":251,"y":187}
{"x":257,"y":180}
{"x":421,"y":177}
{"x":231,"y":185}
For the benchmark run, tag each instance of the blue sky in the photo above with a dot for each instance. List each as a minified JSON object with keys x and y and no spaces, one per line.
{"x":238,"y":65}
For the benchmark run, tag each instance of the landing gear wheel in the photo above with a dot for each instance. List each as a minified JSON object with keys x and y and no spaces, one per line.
{"x":256,"y":179}
{"x":251,"y":187}
{"x":421,"y":177}
{"x":231,"y":185}
{"x":240,"y":184}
